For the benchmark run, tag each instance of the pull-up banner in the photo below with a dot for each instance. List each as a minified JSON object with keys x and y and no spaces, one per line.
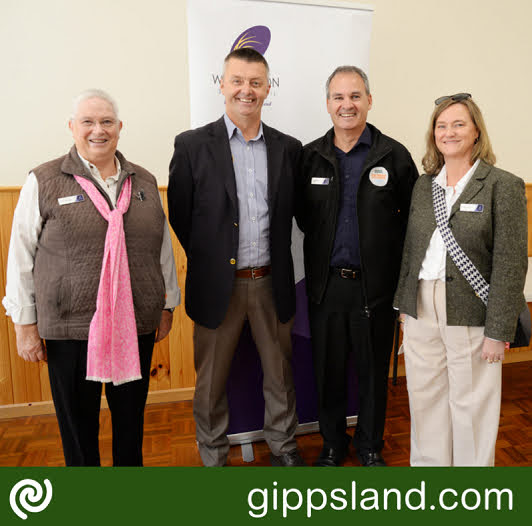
{"x":303,"y":44}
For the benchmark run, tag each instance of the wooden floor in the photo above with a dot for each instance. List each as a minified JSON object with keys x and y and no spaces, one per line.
{"x":169,"y":432}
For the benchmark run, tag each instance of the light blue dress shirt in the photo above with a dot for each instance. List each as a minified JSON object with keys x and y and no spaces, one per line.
{"x":250,"y":163}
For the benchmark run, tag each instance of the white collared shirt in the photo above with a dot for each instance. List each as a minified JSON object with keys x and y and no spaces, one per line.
{"x":433,"y":266}
{"x":19,"y":300}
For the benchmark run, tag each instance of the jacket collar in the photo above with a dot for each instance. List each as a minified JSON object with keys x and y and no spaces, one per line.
{"x":222,"y":157}
{"x":473,"y":187}
{"x":274,"y":151}
{"x":325,"y":146}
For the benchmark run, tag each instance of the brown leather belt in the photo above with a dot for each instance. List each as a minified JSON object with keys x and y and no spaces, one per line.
{"x":253,"y":273}
{"x":347,"y":273}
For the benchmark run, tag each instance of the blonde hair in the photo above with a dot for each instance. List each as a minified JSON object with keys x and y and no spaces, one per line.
{"x":433,"y":159}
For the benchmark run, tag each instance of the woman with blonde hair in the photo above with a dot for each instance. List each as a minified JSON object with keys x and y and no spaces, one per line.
{"x":460,"y":290}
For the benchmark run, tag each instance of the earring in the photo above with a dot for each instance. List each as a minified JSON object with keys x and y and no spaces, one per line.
{"x":476,"y":140}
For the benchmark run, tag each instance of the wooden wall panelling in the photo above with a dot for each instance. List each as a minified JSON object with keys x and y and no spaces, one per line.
{"x":181,"y":356}
{"x":32,"y":370}
{"x":160,"y":366}
{"x":46,"y":392}
{"x":186,"y":325}
{"x":26,"y":380}
{"x":27,"y":383}
{"x":6,"y":215}
{"x":173,"y":362}
{"x":18,"y":376}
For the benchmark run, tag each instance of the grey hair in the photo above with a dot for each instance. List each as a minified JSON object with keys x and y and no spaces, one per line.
{"x":93,"y":94}
{"x":348,"y":69}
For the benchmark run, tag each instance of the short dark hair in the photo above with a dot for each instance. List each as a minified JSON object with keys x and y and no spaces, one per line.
{"x":247,"y":54}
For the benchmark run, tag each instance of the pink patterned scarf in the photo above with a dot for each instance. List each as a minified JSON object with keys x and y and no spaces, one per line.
{"x":113,"y":351}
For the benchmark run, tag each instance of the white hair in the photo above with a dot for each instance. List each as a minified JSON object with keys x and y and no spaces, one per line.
{"x":93,"y":94}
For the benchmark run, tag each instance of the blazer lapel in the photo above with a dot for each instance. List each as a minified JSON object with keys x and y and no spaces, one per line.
{"x":473,"y":187}
{"x":275,"y":155}
{"x":221,"y":152}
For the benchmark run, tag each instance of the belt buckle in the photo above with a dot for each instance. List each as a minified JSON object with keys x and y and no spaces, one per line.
{"x":347,"y":273}
{"x":253,"y":273}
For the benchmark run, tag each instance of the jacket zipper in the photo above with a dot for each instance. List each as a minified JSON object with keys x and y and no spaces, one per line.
{"x":367,"y":310}
{"x":335,"y":212}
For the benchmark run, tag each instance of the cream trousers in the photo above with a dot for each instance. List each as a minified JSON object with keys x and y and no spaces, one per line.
{"x":454,"y":395}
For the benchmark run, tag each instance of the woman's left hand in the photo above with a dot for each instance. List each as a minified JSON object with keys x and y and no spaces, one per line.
{"x":493,"y":350}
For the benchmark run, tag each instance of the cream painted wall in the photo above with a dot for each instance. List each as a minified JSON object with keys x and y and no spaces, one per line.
{"x":137,"y":50}
{"x":422,"y":49}
{"x":50,"y":50}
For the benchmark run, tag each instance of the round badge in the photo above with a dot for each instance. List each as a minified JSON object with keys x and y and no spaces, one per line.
{"x":379,"y":176}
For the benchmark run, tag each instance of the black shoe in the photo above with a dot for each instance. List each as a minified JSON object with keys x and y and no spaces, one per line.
{"x":370,"y":458}
{"x":291,"y":459}
{"x":331,"y":457}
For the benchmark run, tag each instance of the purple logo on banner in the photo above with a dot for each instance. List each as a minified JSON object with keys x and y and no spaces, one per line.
{"x":256,"y":37}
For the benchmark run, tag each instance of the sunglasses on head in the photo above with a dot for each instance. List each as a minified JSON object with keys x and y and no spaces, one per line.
{"x":457,"y":97}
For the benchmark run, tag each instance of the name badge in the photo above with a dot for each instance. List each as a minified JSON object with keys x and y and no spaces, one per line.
{"x":471,"y":207}
{"x":319,"y":180}
{"x":70,"y":199}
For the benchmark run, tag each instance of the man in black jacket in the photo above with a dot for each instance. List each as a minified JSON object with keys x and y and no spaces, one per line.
{"x":353,"y":201}
{"x":231,"y":204}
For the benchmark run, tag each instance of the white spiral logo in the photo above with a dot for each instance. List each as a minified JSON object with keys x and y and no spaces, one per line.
{"x":32,"y":492}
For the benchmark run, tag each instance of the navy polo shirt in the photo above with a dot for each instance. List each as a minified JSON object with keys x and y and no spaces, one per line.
{"x":346,"y":248}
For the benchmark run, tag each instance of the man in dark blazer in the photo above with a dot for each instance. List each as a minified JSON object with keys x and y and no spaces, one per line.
{"x":230,"y":198}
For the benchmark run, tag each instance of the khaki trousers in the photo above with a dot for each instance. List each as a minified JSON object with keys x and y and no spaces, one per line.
{"x":213,"y":353}
{"x":454,"y":394}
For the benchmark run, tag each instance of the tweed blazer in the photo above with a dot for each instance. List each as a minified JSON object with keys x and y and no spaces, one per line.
{"x":495,"y":240}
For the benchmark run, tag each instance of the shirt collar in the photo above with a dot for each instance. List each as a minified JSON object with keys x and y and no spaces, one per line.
{"x":93,"y":170}
{"x":441,"y":178}
{"x":365,"y":138}
{"x":232,"y":128}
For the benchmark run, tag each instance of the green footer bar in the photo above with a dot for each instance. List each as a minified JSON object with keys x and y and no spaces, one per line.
{"x":233,"y":496}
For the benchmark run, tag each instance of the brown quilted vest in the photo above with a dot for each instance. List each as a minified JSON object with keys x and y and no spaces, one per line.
{"x":69,"y":253}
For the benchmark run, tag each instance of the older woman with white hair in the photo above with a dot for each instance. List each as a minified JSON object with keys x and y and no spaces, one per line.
{"x":460,"y":288}
{"x":91,"y":272}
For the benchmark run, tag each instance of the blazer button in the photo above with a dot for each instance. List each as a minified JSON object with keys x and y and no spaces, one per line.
{"x":448,"y":278}
{"x":235,"y":224}
{"x":232,"y":261}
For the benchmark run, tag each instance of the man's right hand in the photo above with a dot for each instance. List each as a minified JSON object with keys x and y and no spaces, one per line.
{"x":29,"y":344}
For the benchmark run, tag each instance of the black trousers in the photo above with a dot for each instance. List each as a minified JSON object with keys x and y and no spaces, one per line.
{"x":338,"y":326}
{"x":77,"y":404}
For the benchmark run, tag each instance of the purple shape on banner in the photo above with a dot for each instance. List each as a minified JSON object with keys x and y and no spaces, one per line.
{"x":256,"y":37}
